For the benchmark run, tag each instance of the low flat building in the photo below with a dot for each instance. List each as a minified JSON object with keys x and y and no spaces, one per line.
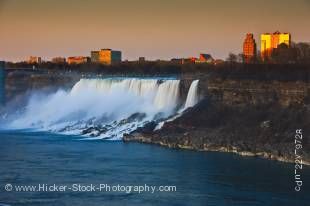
{"x":34,"y":60}
{"x":94,"y":56}
{"x":205,"y":58}
{"x":141,"y":59}
{"x":106,"y":56}
{"x":78,"y":60}
{"x":59,"y":60}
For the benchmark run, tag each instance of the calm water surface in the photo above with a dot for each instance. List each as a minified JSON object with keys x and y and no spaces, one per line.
{"x":33,"y":158}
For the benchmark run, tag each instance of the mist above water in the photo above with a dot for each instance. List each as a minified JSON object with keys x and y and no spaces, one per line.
{"x":105,"y":108}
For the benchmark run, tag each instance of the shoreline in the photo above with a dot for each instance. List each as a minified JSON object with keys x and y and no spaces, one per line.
{"x":139,"y":138}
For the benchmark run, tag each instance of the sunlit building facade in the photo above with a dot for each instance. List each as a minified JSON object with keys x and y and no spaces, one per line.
{"x":108,"y":56}
{"x":272,"y":41}
{"x":205,"y":58}
{"x":78,"y":60}
{"x":34,"y":60}
{"x":249,"y":48}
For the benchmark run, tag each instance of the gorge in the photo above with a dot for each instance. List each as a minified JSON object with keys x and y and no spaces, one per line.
{"x":244,"y":116}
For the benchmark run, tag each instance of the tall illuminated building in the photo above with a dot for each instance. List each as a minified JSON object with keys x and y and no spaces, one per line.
{"x":272,"y":41}
{"x":249,"y":48}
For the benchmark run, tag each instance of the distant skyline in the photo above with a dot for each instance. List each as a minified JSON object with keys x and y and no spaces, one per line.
{"x":155,"y":29}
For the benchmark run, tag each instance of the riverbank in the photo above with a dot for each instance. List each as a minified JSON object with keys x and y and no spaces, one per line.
{"x":265,"y":131}
{"x":246,"y":117}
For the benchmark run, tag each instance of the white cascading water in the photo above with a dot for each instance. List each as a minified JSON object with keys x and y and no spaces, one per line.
{"x":102,"y":108}
{"x":192,"y":96}
{"x":191,"y":100}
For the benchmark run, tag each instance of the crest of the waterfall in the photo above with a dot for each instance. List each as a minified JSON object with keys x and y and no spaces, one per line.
{"x":163,"y":93}
{"x":192,"y":95}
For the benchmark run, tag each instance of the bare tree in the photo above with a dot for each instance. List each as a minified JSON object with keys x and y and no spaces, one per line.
{"x":232,"y":58}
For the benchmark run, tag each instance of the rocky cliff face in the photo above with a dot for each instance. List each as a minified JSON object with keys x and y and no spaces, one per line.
{"x":254,"y":92}
{"x":245,"y":117}
{"x":20,"y":82}
{"x":245,"y":92}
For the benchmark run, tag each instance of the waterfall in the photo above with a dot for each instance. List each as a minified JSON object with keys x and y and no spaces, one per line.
{"x":105,"y":108}
{"x":191,"y":100}
{"x":163,"y":94}
{"x":167,"y":95}
{"x":192,"y":96}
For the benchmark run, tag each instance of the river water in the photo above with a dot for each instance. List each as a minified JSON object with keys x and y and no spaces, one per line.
{"x":30,"y":158}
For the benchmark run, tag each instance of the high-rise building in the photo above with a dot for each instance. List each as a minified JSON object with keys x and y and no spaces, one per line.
{"x":2,"y":83}
{"x":249,"y":48}
{"x":272,"y":41}
{"x":78,"y":60}
{"x":34,"y":60}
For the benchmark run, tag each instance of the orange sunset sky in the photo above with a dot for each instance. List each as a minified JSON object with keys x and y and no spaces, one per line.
{"x":156,"y":29}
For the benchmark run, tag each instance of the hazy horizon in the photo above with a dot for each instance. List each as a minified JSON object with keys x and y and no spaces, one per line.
{"x":153,"y":29}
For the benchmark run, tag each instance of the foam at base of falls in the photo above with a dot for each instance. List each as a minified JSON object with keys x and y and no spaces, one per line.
{"x":103,"y":108}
